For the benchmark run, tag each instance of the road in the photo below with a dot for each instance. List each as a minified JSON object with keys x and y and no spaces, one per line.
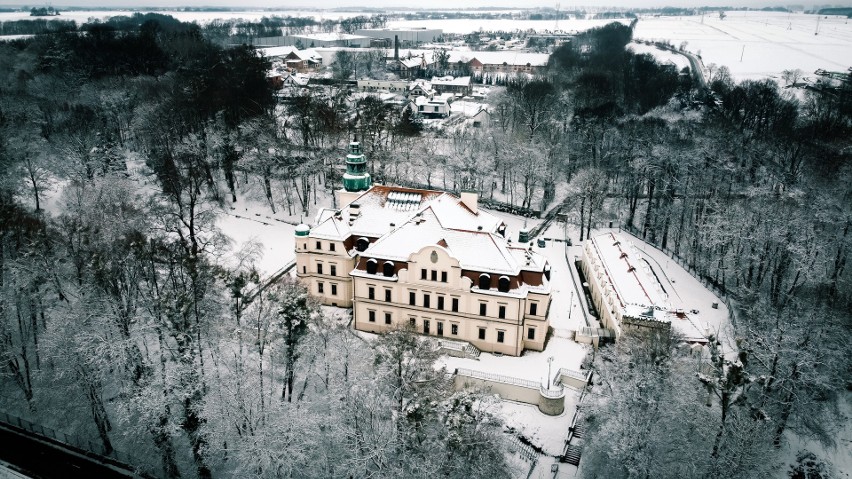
{"x":44,"y":460}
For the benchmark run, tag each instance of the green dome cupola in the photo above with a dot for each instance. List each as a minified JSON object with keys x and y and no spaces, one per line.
{"x":356,"y":177}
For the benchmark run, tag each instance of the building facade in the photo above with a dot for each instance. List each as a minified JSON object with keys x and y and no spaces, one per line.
{"x":627,"y":293}
{"x":403,"y":257}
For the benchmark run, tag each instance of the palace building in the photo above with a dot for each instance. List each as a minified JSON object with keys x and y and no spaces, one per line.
{"x":427,"y":259}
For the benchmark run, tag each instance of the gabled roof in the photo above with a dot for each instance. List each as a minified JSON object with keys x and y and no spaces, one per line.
{"x":482,"y":251}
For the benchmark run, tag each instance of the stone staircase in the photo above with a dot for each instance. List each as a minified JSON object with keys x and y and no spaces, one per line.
{"x":572,"y":455}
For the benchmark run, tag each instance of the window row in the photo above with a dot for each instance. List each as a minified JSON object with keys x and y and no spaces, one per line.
{"x":426,"y":325}
{"x":321,"y":288}
{"x":331,"y":246}
{"x":321,"y":270}
{"x":432,"y":275}
{"x":371,"y":293}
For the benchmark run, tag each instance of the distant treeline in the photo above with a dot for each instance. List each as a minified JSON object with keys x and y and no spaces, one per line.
{"x":36,"y":26}
{"x":836,"y":11}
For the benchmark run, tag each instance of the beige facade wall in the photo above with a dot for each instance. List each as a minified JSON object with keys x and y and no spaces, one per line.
{"x":602,"y":294}
{"x":436,"y":316}
{"x":324,"y":266}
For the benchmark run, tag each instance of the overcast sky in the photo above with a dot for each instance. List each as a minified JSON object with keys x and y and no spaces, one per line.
{"x":313,"y":4}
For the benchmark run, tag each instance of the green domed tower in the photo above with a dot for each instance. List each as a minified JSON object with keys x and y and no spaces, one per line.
{"x":356,"y":177}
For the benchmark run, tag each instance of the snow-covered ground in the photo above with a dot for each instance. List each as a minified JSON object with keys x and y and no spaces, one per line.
{"x":755,"y":44}
{"x":507,"y":25}
{"x":662,"y":56}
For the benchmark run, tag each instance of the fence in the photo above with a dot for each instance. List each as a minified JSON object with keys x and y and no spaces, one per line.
{"x":499,"y":378}
{"x":556,"y":391}
{"x":94,"y":450}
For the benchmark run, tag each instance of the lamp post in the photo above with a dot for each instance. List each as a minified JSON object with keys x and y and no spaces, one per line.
{"x":549,"y":362}
{"x":570,"y":305}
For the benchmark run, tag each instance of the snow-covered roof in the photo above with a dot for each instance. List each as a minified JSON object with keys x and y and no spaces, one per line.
{"x":306,"y":54}
{"x":629,"y":273}
{"x":509,"y":57}
{"x":447,"y":224}
{"x":405,"y":220}
{"x":450,"y":81}
{"x":330,"y":37}
{"x":413,"y":62}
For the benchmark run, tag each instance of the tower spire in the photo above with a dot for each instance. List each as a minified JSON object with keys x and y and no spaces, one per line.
{"x":356,"y":177}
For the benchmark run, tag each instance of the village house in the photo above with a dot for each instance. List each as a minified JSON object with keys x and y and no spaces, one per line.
{"x":295,"y":60}
{"x":419,"y":88}
{"x":626,"y":292}
{"x":428,"y":260}
{"x":458,"y":86}
{"x":437,"y":106}
{"x":504,"y":61}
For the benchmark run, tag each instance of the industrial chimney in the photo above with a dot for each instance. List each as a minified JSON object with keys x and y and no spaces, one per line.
{"x":396,"y":48}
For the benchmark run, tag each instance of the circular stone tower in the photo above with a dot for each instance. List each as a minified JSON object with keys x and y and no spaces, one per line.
{"x":356,"y":177}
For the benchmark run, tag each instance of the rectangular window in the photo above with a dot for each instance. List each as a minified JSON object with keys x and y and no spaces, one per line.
{"x":441,"y":303}
{"x":443,"y":276}
{"x":482,"y":333}
{"x":371,"y":293}
{"x":333,"y":289}
{"x":412,"y":298}
{"x":304,"y":270}
{"x":423,"y":274}
{"x":434,"y":275}
{"x":454,"y":329}
{"x":440,"y":328}
{"x":320,"y":288}
{"x":371,"y":316}
{"x":483,"y":309}
{"x":531,"y":333}
{"x":501,"y":312}
{"x":412,"y":322}
{"x":319,"y":244}
{"x":501,"y":336}
{"x":455,"y":305}
{"x":425,"y":300}
{"x":387,"y":318}
{"x":319,"y":268}
{"x":533,"y":309}
{"x":334,"y":270}
{"x":387,"y":296}
{"x":331,"y":246}
{"x":425,"y":326}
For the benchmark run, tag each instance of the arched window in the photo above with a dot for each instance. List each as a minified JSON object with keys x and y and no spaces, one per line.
{"x":484,"y":281}
{"x":387,"y":269}
{"x":503,"y":284}
{"x":372,"y":264}
{"x":362,"y":244}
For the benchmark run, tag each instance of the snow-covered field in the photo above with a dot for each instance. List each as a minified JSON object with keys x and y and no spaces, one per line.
{"x":662,"y":56}
{"x":83,"y":16}
{"x":507,"y":25}
{"x":756,"y":45}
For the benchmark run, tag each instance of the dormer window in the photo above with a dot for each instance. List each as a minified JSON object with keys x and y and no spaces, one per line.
{"x":503,"y":284}
{"x":387,"y":268}
{"x":362,"y":244}
{"x":372,"y":266}
{"x":484,"y":281}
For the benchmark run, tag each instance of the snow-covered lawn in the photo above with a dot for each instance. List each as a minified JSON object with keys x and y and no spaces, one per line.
{"x":756,"y":45}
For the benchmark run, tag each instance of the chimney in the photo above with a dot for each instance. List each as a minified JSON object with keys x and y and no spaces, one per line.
{"x":354,"y":212}
{"x":396,"y":48}
{"x":470,"y":199}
